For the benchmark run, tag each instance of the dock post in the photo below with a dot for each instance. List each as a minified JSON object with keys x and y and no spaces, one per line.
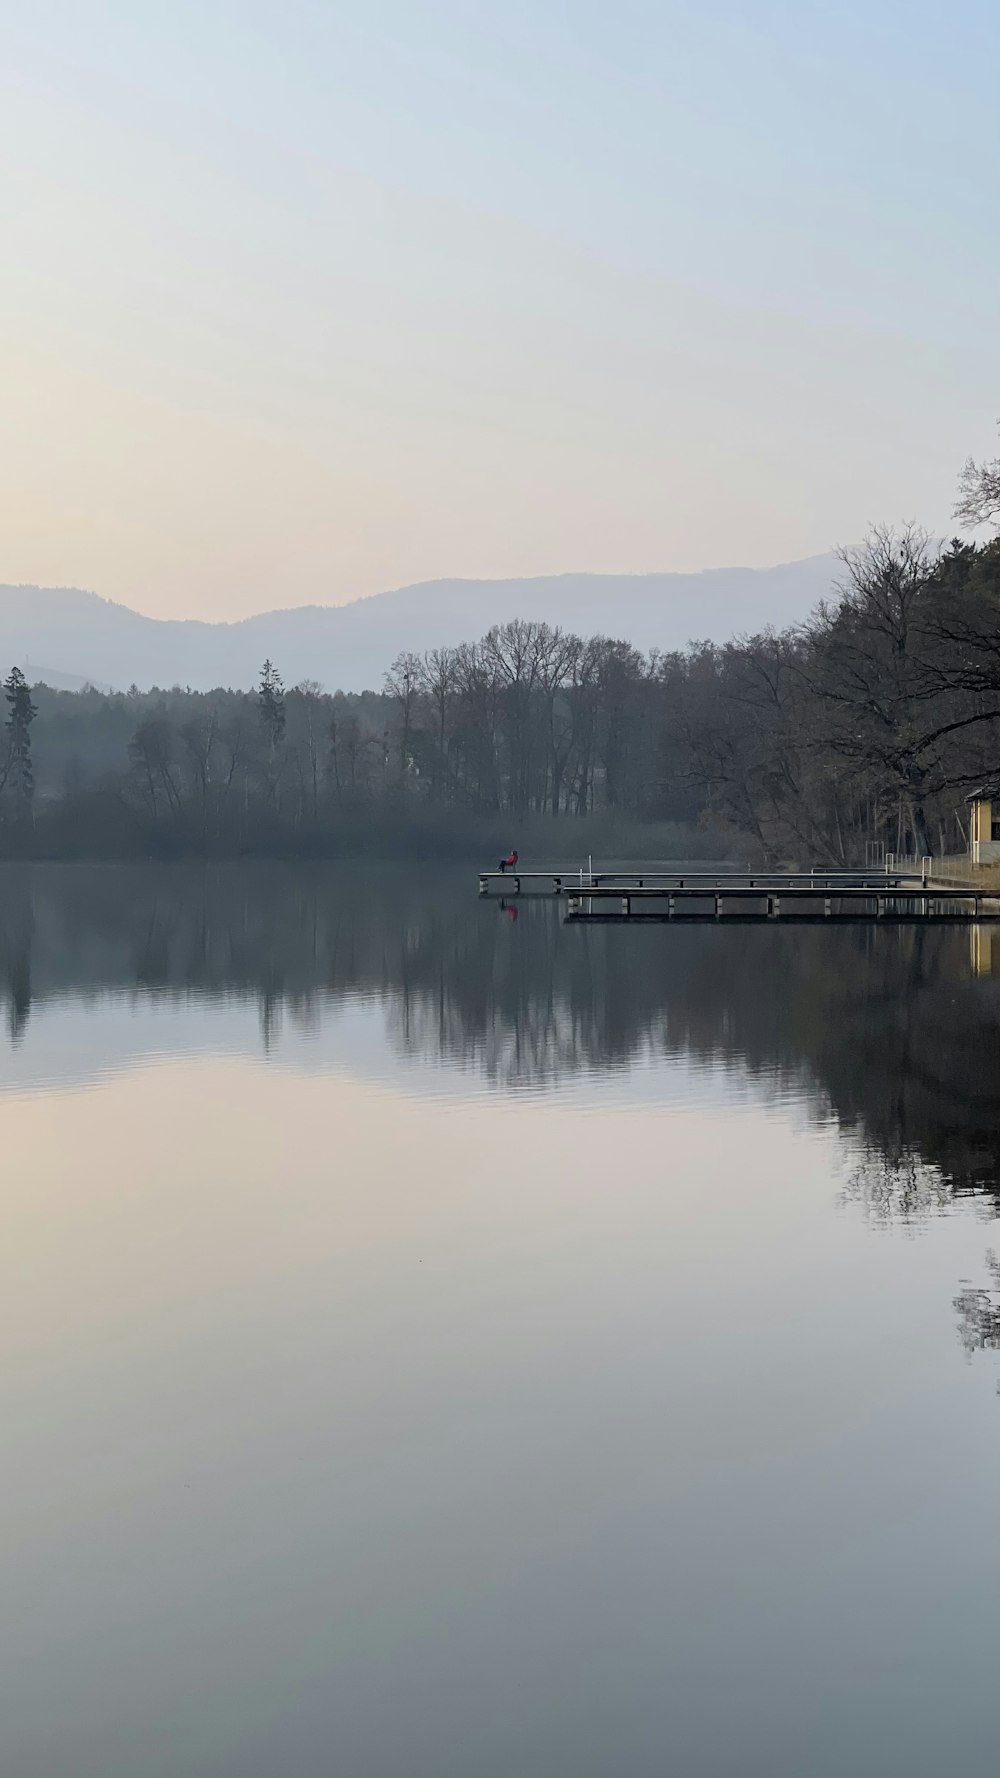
{"x":626,"y":905}
{"x":484,"y":887}
{"x":670,"y":907}
{"x":718,"y":907}
{"x":827,"y":907}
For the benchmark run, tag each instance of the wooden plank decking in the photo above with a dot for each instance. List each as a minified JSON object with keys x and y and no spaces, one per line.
{"x":568,"y":881}
{"x":748,"y":895}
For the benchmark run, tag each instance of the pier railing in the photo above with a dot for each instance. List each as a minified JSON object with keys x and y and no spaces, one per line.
{"x":921,"y":868}
{"x":960,"y":868}
{"x":563,"y":879}
{"x":882,"y":893}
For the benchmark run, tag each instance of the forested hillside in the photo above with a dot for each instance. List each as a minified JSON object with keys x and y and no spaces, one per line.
{"x":67,"y":636}
{"x":864,"y":728}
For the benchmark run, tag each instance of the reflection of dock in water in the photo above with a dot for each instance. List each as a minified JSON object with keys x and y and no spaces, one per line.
{"x":754,"y":896}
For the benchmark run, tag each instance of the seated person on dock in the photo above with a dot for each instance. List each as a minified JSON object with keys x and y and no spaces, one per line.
{"x":509,"y":862}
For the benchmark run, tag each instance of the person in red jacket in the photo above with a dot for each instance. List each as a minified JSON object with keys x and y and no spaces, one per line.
{"x":509,"y":862}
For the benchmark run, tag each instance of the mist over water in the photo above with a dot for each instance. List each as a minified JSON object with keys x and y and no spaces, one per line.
{"x":443,"y":1342}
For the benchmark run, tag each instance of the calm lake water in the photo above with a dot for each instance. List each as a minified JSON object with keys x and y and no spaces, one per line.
{"x":438,"y":1345}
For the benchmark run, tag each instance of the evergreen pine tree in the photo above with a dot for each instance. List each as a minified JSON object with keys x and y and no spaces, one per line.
{"x":18,"y":775}
{"x":271,"y":705}
{"x":271,"y":709}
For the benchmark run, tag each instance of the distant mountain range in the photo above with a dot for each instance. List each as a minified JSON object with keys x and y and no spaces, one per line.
{"x":68,"y":637}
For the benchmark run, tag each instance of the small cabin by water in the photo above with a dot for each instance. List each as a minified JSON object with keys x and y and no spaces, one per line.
{"x":984,"y":824}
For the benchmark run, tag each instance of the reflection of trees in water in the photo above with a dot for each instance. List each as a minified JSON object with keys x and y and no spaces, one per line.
{"x":978,"y":1310}
{"x":885,"y":1029}
{"x":908,"y":1065}
{"x":896,"y":1187}
{"x":16,"y":947}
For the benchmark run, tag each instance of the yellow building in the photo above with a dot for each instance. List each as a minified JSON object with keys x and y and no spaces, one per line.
{"x":984,"y":824}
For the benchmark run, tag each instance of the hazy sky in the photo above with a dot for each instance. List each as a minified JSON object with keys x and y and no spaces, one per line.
{"x":301,"y":299}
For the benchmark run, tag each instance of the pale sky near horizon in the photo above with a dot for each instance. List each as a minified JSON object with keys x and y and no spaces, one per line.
{"x":303,"y":299}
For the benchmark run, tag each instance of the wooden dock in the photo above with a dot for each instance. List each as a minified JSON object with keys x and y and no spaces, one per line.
{"x":754,"y":896}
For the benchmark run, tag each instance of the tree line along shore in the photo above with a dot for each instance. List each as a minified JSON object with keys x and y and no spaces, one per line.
{"x":859,"y":731}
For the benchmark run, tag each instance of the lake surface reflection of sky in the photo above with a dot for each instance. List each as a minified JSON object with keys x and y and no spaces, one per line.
{"x":435,"y":1345}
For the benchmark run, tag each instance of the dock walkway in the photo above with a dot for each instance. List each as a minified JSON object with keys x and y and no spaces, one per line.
{"x":642,"y":894}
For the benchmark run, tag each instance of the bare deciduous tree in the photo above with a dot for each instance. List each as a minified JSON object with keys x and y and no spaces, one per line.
{"x":978,"y":500}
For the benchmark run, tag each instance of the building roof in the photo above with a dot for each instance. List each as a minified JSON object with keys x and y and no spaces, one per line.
{"x":987,"y":793}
